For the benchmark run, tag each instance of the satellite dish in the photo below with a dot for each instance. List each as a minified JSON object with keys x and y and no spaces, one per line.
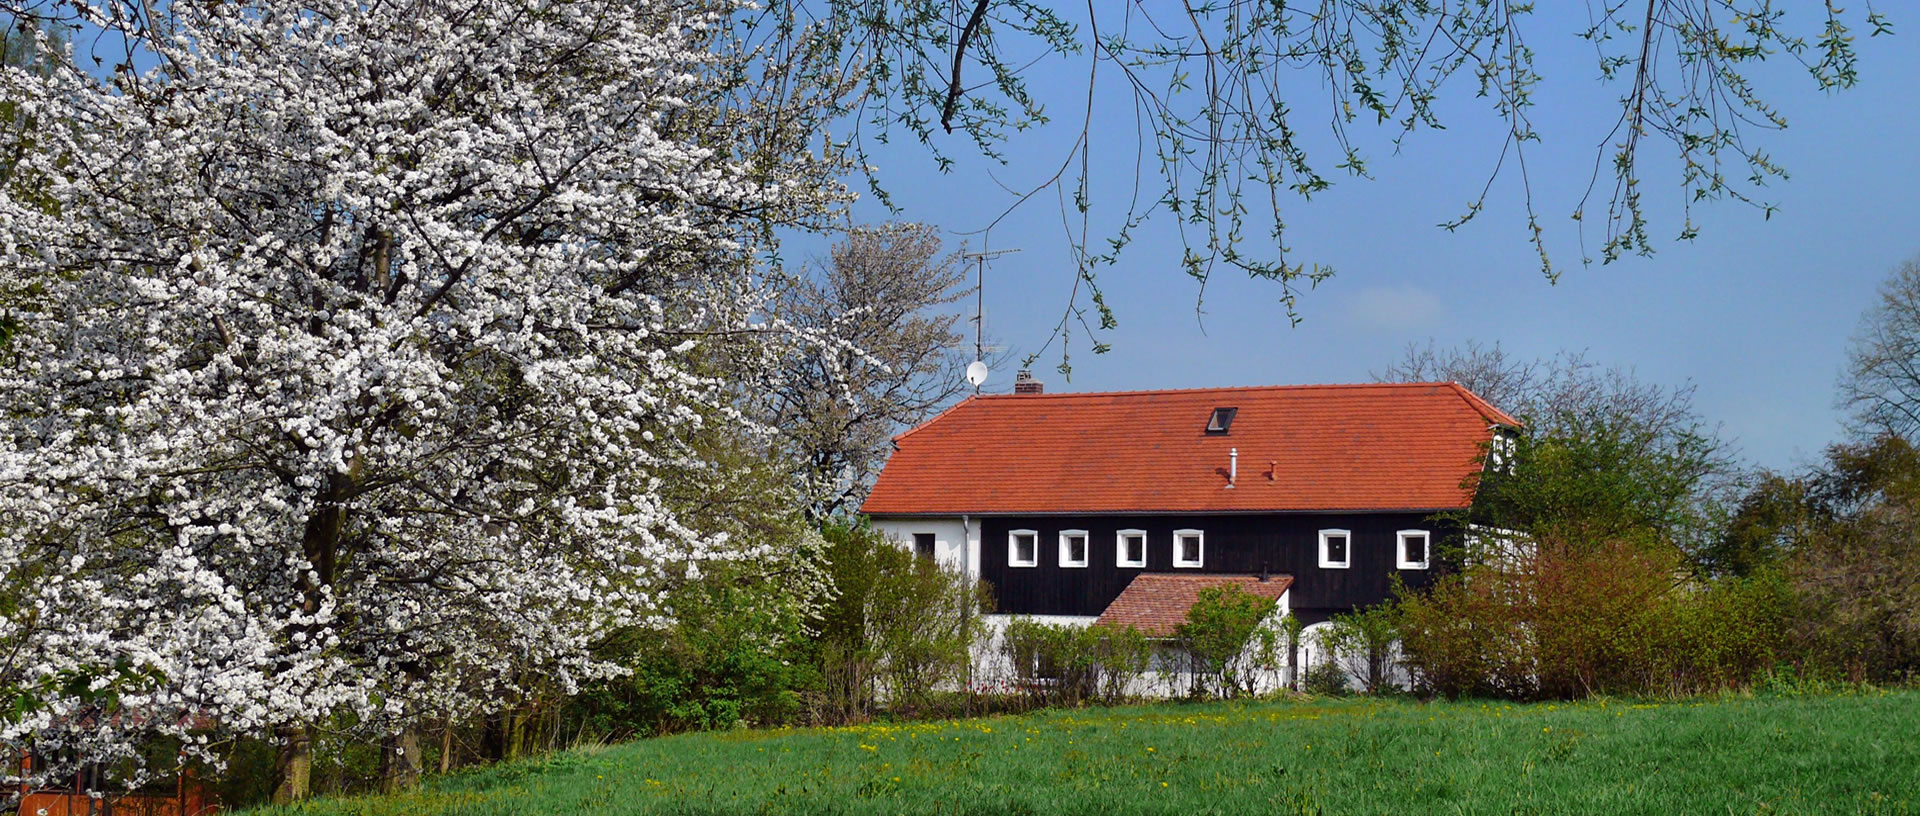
{"x":976,"y":373}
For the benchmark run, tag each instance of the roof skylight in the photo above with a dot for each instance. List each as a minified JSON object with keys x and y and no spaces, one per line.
{"x":1221,"y":420}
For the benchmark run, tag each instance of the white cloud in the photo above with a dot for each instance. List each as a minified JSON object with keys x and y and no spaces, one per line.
{"x":1395,"y":307}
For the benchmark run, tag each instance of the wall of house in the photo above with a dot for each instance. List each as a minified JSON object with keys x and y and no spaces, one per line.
{"x":1169,"y":674}
{"x":1239,"y":544}
{"x":953,"y":538}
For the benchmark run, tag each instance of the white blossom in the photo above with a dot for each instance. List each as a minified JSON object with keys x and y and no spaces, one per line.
{"x":354,"y":345}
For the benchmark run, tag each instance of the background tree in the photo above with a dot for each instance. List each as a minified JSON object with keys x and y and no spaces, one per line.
{"x":896,"y":357}
{"x":1881,"y":385}
{"x":1513,"y":384}
{"x":1601,"y":455}
{"x":1844,"y":534}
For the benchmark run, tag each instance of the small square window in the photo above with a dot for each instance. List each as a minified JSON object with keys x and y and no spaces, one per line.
{"x":1221,"y":420}
{"x":1023,"y":548}
{"x":1073,"y":548}
{"x":1131,"y":548}
{"x":923,"y":545}
{"x":1413,"y":549}
{"x":1189,"y":548}
{"x":1336,"y":549}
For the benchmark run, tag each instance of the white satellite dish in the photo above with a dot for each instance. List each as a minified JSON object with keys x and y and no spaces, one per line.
{"x":976,"y":373}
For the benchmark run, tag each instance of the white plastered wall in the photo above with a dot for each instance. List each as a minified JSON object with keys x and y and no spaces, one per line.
{"x":956,"y":541}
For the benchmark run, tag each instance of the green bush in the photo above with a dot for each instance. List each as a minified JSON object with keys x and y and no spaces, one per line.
{"x":1326,"y":679}
{"x":1621,"y":619}
{"x":1362,"y":644}
{"x":726,"y":661}
{"x":1062,"y":665}
{"x":1222,"y":623}
{"x":900,"y":629}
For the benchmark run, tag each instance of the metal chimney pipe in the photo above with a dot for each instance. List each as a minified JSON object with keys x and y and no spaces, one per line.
{"x":1233,"y":466}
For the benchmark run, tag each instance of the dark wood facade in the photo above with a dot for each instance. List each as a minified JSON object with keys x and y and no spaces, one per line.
{"x":1240,"y":544}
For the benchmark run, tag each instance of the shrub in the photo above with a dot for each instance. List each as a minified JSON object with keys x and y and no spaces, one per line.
{"x":1326,"y":679}
{"x":726,"y":660}
{"x":1466,"y":638}
{"x":1060,"y":665}
{"x":1123,"y":655}
{"x":1614,"y":619}
{"x":1219,"y":628}
{"x":901,"y":627}
{"x":1364,"y":643}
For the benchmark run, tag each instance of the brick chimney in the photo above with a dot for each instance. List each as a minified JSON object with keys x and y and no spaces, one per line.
{"x":1024,"y":383}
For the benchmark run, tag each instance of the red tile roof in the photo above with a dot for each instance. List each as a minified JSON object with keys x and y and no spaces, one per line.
{"x":1156,"y":602}
{"x":1400,"y":446}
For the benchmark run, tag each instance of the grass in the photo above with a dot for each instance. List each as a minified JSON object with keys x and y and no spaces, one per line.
{"x":1857,"y":753}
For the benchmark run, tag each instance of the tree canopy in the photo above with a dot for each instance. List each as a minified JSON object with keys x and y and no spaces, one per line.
{"x":355,"y":346}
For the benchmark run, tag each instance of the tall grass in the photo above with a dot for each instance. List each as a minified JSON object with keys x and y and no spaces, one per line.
{"x":1857,"y":753}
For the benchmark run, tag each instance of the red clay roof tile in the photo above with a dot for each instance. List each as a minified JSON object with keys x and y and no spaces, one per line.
{"x":1156,"y":603}
{"x":1399,"y":446}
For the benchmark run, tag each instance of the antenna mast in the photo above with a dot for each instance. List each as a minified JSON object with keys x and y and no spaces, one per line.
{"x":980,"y":303}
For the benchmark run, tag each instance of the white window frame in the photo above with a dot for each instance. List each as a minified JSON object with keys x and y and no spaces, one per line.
{"x":1500,"y":451}
{"x":1013,"y":548}
{"x":1120,"y":548}
{"x":1327,"y":563}
{"x":1086,"y":548}
{"x":1400,"y":560}
{"x":1196,"y":563}
{"x":932,"y":552}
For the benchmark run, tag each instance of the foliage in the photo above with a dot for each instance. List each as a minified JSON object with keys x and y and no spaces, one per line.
{"x":1464,"y":638}
{"x":1858,"y":575}
{"x":725,"y":662}
{"x":900,"y":628}
{"x":1228,"y":98}
{"x":1326,"y":679}
{"x":1826,"y":754}
{"x":1601,"y":456}
{"x":1364,"y":644}
{"x":1843,"y":536}
{"x":357,"y":344}
{"x":1221,"y":626}
{"x":1065,"y":665}
{"x":1570,"y":622}
{"x":1764,"y":527}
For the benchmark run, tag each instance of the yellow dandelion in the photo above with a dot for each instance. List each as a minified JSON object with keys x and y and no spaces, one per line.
{"x":1163,"y":784}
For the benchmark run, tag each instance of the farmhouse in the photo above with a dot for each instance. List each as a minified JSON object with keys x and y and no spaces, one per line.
{"x":1119,"y":506}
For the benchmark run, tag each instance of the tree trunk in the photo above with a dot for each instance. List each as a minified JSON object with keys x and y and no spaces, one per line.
{"x":294,"y":765}
{"x":400,"y":761}
{"x":516,"y":734}
{"x":446,"y":746}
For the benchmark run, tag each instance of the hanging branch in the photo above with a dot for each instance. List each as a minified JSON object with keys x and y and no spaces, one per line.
{"x":960,"y":53}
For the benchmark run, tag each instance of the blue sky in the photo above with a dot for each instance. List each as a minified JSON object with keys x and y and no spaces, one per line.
{"x":1755,"y":312}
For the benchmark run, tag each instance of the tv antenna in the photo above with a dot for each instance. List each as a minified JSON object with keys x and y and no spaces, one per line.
{"x":977,"y":370}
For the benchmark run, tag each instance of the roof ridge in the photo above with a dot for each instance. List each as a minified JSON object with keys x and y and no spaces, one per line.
{"x":1214,"y":388}
{"x":1480,"y":405}
{"x":935,"y":418}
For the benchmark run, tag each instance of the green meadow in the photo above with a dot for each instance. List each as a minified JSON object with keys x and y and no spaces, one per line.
{"x":1853,"y":753}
